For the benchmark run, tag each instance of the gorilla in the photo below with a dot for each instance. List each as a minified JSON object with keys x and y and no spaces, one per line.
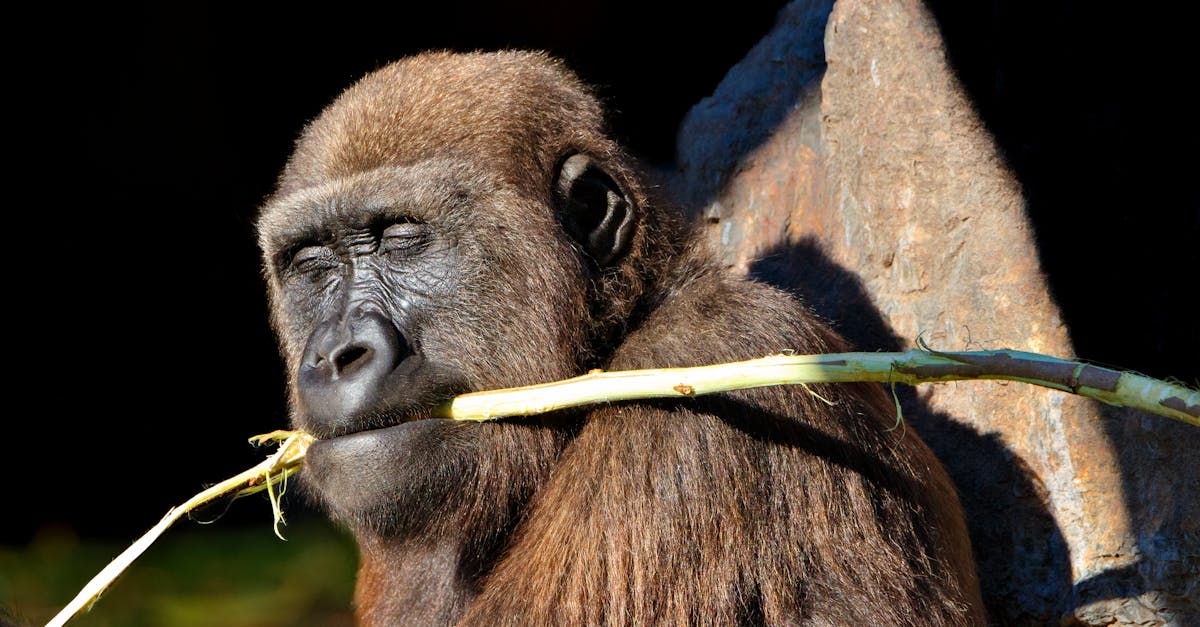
{"x":461,"y":222}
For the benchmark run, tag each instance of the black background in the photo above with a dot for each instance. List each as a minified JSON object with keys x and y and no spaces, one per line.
{"x":146,"y":137}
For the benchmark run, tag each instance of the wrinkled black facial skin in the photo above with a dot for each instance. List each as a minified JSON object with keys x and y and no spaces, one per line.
{"x":363,"y":367}
{"x":364,"y":360}
{"x":364,"y":372}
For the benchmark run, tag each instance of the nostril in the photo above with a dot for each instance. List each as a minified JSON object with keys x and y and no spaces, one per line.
{"x":348,"y":358}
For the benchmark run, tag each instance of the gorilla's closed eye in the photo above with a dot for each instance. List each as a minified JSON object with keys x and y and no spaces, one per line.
{"x":403,"y":239}
{"x":311,"y":259}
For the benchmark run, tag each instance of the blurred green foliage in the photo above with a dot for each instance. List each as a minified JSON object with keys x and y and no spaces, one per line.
{"x":192,"y":577}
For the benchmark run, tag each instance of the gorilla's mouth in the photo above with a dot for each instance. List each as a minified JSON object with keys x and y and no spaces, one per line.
{"x":371,"y":436}
{"x":367,"y":426}
{"x":392,"y":426}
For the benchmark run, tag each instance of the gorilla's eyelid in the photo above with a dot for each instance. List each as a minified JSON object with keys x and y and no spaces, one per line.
{"x":402,"y":229}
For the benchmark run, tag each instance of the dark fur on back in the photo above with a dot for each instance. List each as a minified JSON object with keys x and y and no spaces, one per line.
{"x":761,"y":506}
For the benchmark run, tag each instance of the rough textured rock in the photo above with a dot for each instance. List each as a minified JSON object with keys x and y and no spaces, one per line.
{"x":841,"y":160}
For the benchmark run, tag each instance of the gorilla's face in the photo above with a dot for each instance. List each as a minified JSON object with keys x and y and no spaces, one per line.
{"x":397,"y":288}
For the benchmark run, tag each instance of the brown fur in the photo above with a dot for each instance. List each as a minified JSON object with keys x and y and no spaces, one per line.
{"x":761,"y":506}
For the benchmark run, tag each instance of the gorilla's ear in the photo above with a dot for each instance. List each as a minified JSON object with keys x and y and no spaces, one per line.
{"x":594,"y":209}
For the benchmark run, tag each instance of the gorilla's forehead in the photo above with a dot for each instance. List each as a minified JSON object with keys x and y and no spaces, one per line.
{"x":514,"y":111}
{"x":447,"y":192}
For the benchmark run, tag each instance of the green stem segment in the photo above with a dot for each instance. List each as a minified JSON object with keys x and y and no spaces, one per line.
{"x":913,"y":367}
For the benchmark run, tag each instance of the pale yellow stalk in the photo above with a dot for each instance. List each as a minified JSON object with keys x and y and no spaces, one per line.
{"x":276,"y":468}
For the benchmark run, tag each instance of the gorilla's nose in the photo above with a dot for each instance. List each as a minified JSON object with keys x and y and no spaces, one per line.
{"x":344,"y":370}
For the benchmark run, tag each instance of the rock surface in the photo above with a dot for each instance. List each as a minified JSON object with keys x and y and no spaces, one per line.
{"x":841,"y":160}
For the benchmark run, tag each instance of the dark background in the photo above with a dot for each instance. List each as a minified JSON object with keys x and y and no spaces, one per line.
{"x":146,"y":137}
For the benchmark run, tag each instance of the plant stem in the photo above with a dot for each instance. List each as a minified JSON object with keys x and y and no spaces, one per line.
{"x":913,"y":367}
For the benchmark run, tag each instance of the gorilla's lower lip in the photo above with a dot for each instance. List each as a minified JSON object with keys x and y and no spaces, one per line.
{"x":360,"y":455}
{"x":375,"y":432}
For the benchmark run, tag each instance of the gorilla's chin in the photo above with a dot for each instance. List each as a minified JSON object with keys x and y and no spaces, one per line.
{"x":366,"y":477}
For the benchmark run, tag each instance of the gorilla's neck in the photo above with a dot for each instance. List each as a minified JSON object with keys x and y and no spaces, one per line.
{"x":422,"y":582}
